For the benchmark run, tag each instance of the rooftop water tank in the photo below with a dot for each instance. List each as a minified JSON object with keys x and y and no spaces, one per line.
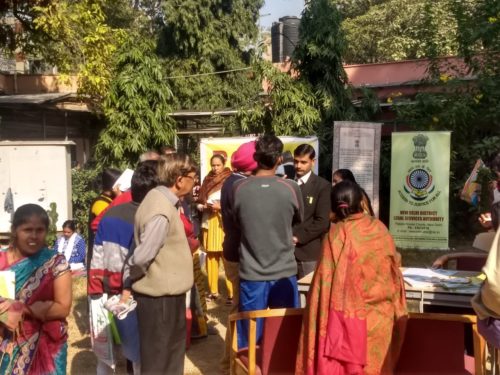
{"x":277,"y":42}
{"x":290,"y":35}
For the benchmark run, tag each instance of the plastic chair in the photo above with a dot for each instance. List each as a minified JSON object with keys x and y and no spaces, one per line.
{"x":434,"y":344}
{"x":278,"y":347}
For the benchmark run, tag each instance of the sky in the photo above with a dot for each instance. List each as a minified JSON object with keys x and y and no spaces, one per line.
{"x":279,"y":8}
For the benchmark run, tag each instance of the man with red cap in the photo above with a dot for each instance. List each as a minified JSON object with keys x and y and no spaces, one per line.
{"x":243,"y":165}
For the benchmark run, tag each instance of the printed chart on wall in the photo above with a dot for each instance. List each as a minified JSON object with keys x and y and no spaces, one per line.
{"x":356,"y":146}
{"x":226,"y":147}
{"x":420,"y":176}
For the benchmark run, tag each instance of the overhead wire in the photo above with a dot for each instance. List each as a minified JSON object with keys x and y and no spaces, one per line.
{"x":211,"y":73}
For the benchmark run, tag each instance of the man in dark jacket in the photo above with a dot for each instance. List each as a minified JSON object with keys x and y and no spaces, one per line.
{"x":308,"y":234}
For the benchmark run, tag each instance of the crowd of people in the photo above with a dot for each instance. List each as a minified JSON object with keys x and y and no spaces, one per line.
{"x":268,"y":225}
{"x":265,"y":223}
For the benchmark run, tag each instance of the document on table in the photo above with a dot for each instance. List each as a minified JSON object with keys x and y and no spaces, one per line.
{"x":426,"y":277}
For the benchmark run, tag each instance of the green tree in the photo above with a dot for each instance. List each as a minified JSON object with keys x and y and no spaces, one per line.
{"x":318,"y":59}
{"x":401,"y":29}
{"x":470,"y":110}
{"x":24,"y":12}
{"x":479,"y":40}
{"x":206,"y":37}
{"x":356,"y":8}
{"x":52,"y":229}
{"x":75,"y":36}
{"x":84,"y":190}
{"x":137,"y":107}
{"x":289,"y":108}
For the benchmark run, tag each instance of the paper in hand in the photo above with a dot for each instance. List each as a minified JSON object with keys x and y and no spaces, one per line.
{"x":124,"y":182}
{"x":8,"y":284}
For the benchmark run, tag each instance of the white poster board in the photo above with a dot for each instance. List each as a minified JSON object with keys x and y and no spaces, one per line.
{"x":356,"y":146}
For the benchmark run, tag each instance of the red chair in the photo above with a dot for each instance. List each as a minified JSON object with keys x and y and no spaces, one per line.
{"x":471,"y":263}
{"x":278,"y":347}
{"x":465,"y":261}
{"x":434,"y":344}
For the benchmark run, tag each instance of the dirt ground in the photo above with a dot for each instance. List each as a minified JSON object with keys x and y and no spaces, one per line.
{"x":202,"y":357}
{"x":204,"y":354}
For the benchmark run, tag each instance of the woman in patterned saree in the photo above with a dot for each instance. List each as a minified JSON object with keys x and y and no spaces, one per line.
{"x":42,"y":299}
{"x":356,"y":309}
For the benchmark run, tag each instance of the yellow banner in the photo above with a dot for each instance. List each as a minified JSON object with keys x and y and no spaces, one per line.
{"x":226,"y":147}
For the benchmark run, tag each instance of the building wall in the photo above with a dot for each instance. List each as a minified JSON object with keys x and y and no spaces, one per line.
{"x":11,"y":84}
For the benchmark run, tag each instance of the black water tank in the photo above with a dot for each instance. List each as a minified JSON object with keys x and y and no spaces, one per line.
{"x":290,"y":35}
{"x":277,"y":42}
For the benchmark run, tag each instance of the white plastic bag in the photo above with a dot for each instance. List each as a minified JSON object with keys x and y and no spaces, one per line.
{"x":203,"y":257}
{"x":100,"y":331}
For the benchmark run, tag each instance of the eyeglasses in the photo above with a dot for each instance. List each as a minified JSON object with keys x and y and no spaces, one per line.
{"x":191,"y":177}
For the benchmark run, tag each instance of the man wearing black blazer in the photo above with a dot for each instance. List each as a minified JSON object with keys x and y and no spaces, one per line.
{"x":308,"y":235}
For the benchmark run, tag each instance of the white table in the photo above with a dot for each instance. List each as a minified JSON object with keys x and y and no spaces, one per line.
{"x":429,"y":296}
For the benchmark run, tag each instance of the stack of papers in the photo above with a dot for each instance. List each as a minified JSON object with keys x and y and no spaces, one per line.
{"x":428,"y":278}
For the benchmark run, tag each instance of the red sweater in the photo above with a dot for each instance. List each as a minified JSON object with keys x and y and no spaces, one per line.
{"x":125,"y":197}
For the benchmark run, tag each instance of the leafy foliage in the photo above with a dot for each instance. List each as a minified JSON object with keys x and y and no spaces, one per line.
{"x":318,"y":59}
{"x":136,"y":108}
{"x":458,"y":105}
{"x":356,"y":8}
{"x":401,"y":29}
{"x":24,"y":12}
{"x":470,"y":111}
{"x":84,"y":191}
{"x":205,"y":37}
{"x":77,"y":38}
{"x":289,"y":109}
{"x":52,"y":230}
{"x":479,"y":39}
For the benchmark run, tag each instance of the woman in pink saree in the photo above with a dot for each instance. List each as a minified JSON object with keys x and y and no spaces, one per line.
{"x":34,"y":326}
{"x":356,"y":308}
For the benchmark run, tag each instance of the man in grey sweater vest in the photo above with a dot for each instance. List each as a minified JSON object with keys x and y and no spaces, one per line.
{"x":161,"y":269}
{"x":265,"y":208}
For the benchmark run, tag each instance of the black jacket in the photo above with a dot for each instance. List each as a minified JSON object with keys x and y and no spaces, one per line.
{"x":316,"y":197}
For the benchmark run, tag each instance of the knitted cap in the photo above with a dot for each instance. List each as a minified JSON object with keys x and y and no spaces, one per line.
{"x":242,"y":159}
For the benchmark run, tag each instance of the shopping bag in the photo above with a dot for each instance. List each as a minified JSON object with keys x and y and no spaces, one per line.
{"x":100,"y":331}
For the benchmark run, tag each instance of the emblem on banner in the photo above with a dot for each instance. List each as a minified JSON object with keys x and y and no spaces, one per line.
{"x":420,"y":141}
{"x":419,"y":183}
